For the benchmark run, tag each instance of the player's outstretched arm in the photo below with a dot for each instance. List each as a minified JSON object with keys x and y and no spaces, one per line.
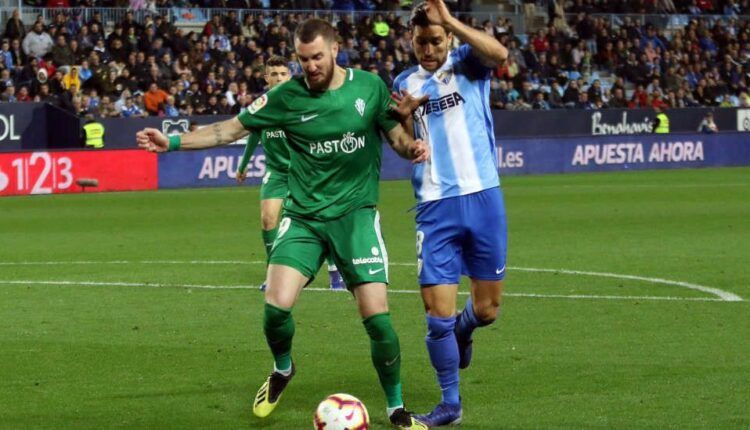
{"x":404,"y":144}
{"x":216,"y":134}
{"x":488,"y":49}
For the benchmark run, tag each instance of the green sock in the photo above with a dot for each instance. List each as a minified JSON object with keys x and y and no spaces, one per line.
{"x":269,"y":236}
{"x":278,"y":326}
{"x":386,"y":356}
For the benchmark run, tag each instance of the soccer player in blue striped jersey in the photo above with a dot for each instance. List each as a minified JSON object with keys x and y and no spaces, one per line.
{"x":461,"y":227}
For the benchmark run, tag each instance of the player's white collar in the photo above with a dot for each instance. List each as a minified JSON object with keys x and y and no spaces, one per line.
{"x":443,"y":74}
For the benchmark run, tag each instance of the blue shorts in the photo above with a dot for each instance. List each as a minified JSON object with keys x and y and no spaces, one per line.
{"x":462,"y":235}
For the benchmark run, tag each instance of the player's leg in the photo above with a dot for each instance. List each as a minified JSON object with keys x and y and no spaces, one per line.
{"x":336,"y":281}
{"x":270,"y":214}
{"x":295,"y":258}
{"x":273,"y":191}
{"x":439,"y":267}
{"x":358,"y":248}
{"x":484,"y":256}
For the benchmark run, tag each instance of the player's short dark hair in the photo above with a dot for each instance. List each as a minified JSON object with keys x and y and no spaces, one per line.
{"x":277,"y":61}
{"x":419,"y":16}
{"x":314,"y":27}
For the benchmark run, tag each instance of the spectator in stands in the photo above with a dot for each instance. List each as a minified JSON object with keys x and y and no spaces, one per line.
{"x":707,"y":125}
{"x":571,"y":95}
{"x":539,"y":102}
{"x":154,"y":98}
{"x":71,"y":78}
{"x":43,"y":95}
{"x":9,"y":95}
{"x":131,"y":110}
{"x":68,"y":100}
{"x":170,"y":110}
{"x":5,"y":55}
{"x":38,"y":42}
{"x":61,"y":53}
{"x":499,"y":94}
{"x":14,"y":27}
{"x":584,"y":102}
{"x":618,"y":100}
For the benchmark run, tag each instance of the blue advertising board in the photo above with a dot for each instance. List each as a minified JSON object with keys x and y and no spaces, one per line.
{"x":16,"y":130}
{"x":216,"y":167}
{"x":623,"y":152}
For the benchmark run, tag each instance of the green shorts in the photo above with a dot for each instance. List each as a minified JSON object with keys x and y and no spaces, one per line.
{"x":353,"y":240}
{"x":275,"y":185}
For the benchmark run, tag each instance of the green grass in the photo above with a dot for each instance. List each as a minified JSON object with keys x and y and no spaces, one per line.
{"x":79,"y":356}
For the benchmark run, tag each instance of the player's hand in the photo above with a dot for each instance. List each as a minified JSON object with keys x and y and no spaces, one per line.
{"x":420,"y":151}
{"x":241,"y":176}
{"x":437,"y":12}
{"x":406,"y":104}
{"x":152,"y":140}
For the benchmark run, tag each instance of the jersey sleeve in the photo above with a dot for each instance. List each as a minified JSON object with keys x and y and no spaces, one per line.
{"x":386,"y":116}
{"x":465,"y":54}
{"x":266,"y":111}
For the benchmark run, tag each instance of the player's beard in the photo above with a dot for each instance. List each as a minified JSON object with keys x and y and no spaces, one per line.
{"x":324,"y":81}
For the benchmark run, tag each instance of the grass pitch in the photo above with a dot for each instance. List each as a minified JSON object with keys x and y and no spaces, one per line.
{"x":139,"y":311}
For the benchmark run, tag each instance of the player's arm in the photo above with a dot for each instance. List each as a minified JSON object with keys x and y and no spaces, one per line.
{"x":216,"y":134}
{"x":489,"y":50}
{"x":404,"y":108}
{"x":406,"y":146}
{"x":252,"y":142}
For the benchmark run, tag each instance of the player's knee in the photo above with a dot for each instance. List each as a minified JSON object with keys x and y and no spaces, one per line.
{"x":269,"y":221}
{"x":487,"y":312}
{"x":436,"y":307}
{"x":379,"y":327}
{"x":438,"y":328}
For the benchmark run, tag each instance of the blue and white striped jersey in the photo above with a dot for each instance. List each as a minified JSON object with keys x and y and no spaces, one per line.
{"x":457,"y":124}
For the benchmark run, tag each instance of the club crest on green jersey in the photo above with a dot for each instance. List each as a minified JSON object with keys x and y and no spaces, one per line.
{"x":360,"y":105}
{"x":258,"y":104}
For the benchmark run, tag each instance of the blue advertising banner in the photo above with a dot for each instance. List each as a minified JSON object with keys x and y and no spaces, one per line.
{"x":209,"y":168}
{"x":120,"y":132}
{"x":608,"y":153}
{"x":216,"y":167}
{"x":16,"y":132}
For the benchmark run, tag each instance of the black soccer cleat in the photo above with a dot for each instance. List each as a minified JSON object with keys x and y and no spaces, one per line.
{"x":403,"y":420}
{"x":269,"y":393}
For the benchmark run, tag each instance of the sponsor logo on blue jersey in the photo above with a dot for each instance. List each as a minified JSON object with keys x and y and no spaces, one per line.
{"x":443,"y":103}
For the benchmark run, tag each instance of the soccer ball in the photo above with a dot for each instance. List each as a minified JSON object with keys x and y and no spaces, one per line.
{"x":341,"y":412}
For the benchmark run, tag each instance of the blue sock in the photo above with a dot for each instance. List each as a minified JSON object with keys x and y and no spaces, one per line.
{"x":443,"y":350}
{"x":468,"y":321}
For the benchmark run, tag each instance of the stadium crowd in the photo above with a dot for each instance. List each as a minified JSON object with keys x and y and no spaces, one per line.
{"x":151,"y":67}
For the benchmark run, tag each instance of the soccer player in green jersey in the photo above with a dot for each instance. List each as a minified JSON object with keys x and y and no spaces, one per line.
{"x":333,"y":119}
{"x":274,"y":189}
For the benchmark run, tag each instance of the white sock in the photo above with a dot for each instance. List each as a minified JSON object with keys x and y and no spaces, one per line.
{"x":332,"y":268}
{"x":286,"y":372}
{"x":393,"y":409}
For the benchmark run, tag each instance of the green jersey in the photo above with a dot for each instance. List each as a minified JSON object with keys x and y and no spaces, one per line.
{"x":334,"y":138}
{"x":274,"y":146}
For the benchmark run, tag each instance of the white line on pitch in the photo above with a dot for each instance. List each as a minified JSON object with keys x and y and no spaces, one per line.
{"x":255,"y":287}
{"x":721,"y":294}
